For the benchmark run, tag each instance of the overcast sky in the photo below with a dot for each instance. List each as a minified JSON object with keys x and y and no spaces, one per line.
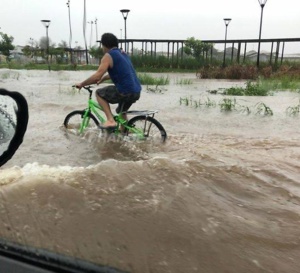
{"x":154,"y":19}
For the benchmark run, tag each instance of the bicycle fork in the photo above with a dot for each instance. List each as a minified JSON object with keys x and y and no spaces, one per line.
{"x":85,"y":120}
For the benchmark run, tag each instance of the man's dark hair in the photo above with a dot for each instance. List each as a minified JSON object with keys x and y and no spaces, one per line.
{"x":109,"y":40}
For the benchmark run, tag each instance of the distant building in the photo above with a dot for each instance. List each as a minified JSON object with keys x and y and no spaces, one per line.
{"x":292,"y":57}
{"x":263,"y":56}
{"x":17,"y":53}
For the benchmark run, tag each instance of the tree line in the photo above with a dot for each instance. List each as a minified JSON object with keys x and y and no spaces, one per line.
{"x":62,"y":53}
{"x":39,"y":48}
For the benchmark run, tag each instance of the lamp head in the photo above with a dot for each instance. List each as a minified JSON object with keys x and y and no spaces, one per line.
{"x":46,"y":23}
{"x":227,"y":21}
{"x":262,"y":2}
{"x":125,"y":13}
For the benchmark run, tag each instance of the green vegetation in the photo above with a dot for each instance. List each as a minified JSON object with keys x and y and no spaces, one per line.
{"x":146,"y":79}
{"x":54,"y":67}
{"x":251,"y":89}
{"x":160,"y":64}
{"x":9,"y":75}
{"x":207,"y":102}
{"x":6,"y":44}
{"x":279,"y":84}
{"x":283,"y":79}
{"x":184,"y":81}
{"x":196,"y":48}
{"x":228,"y":104}
{"x":262,"y":87}
{"x":155,"y":89}
{"x":231,"y":104}
{"x":186,"y":101}
{"x":263,"y":109}
{"x":293,"y":110}
{"x":234,"y":71}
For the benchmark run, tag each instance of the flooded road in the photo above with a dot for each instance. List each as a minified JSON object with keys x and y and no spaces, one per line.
{"x":221,"y":195}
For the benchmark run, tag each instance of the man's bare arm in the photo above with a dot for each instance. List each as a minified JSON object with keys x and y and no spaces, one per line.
{"x":105,"y":63}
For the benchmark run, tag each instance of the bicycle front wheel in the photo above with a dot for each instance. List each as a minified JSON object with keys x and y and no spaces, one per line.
{"x":75,"y":121}
{"x":146,"y":127}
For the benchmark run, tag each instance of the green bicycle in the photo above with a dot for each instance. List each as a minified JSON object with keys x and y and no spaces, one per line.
{"x":142,"y":126}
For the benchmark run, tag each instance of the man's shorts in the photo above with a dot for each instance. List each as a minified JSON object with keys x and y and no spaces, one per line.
{"x":112,"y":95}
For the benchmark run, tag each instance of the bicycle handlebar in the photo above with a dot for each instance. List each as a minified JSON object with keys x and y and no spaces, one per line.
{"x":88,"y":88}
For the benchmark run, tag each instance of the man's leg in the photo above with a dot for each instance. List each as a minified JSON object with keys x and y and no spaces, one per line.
{"x":126,"y":104}
{"x":106,"y":109}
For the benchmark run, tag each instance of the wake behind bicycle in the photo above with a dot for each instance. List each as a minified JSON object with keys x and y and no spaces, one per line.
{"x":142,"y":125}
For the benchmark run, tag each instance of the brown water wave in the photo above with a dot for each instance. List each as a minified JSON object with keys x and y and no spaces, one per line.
{"x":221,"y":195}
{"x":217,"y":210}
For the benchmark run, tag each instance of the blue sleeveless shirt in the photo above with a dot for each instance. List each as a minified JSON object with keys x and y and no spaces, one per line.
{"x":123,"y":74}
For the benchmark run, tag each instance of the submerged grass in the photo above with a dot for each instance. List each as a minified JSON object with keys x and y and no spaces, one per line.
{"x":10,"y":75}
{"x":280,"y":84}
{"x":231,"y":104}
{"x":263,"y":109}
{"x":184,"y":81}
{"x":228,"y":104}
{"x":263,"y":87}
{"x":293,"y":110}
{"x":251,"y":89}
{"x":197,"y":103}
{"x":146,"y":79}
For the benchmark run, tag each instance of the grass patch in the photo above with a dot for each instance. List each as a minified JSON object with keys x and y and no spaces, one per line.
{"x":228,"y":104}
{"x":251,"y":89}
{"x":293,"y":110}
{"x":197,"y":103}
{"x":156,"y":89}
{"x":263,"y":109}
{"x":281,"y":84}
{"x":10,"y":75}
{"x":53,"y":67}
{"x":146,"y":79}
{"x":231,"y":104}
{"x":183,"y":81}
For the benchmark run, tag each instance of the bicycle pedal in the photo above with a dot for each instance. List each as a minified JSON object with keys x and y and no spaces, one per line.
{"x":109,"y":129}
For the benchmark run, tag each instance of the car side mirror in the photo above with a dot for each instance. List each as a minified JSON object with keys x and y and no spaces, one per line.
{"x":13,"y":123}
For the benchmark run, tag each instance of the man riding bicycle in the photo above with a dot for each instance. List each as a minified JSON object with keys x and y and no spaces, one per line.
{"x":126,"y":89}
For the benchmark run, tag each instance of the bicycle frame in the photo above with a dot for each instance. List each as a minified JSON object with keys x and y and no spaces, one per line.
{"x":96,"y":109}
{"x":93,"y":107}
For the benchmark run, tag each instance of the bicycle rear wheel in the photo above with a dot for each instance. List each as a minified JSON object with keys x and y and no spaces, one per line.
{"x":74,"y":120}
{"x":146,"y":127}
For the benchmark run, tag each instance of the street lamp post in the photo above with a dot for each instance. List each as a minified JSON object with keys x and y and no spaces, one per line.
{"x":91,"y":36}
{"x":262,"y":4}
{"x":84,"y":32}
{"x":46,"y":23}
{"x":96,"y":26}
{"x":31,"y":46}
{"x":226,"y":21}
{"x":70,"y":37}
{"x":125,"y":14}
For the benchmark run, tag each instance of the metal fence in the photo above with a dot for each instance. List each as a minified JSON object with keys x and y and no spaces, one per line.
{"x":273,"y":51}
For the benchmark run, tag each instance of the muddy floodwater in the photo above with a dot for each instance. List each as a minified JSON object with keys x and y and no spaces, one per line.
{"x":221,"y":195}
